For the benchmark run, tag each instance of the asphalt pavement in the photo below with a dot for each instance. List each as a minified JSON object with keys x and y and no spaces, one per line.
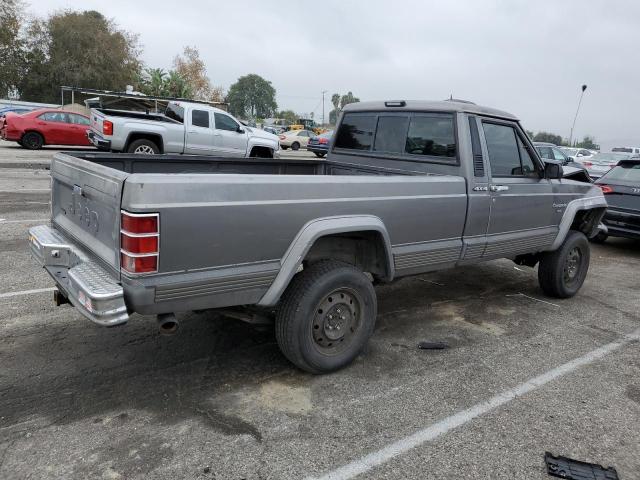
{"x":522,"y":374}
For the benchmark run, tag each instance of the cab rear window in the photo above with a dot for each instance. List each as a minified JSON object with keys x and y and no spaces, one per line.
{"x":629,"y":172}
{"x":416,"y":136}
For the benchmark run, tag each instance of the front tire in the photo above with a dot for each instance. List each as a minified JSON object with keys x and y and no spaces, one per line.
{"x":562,"y":273}
{"x":326,"y":316}
{"x":295,"y":146}
{"x":143,"y":147}
{"x":32,"y":141}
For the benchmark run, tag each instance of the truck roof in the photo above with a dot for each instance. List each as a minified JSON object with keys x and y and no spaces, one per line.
{"x":427,"y":105}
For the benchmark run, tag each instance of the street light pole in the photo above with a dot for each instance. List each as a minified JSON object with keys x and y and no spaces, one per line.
{"x":323,"y":92}
{"x":584,"y":87}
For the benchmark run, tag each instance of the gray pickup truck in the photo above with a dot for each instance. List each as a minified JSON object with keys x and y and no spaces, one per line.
{"x":407,"y":188}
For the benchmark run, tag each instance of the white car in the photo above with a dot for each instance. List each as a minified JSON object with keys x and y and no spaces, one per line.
{"x":577,"y":154}
{"x":295,"y":139}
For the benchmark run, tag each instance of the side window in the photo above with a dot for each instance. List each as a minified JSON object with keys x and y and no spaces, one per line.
{"x":225,"y":122}
{"x":431,"y":135}
{"x":54,"y":117}
{"x":503,"y":150}
{"x":528,"y":165}
{"x":391,"y":134}
{"x":200,"y":118}
{"x":557,"y":155}
{"x":78,"y":119}
{"x":545,"y":152}
{"x":356,"y":132}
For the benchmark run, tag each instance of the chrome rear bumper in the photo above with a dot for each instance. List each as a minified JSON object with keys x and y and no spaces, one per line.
{"x":89,"y":287}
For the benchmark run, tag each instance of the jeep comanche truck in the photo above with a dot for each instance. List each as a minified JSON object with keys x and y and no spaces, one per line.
{"x":191,"y":128}
{"x":408,"y":187}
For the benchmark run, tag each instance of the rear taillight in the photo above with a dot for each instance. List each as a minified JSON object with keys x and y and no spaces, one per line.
{"x":139,"y":242}
{"x":323,"y":141}
{"x":107,"y":127}
{"x":606,"y":189}
{"x":282,"y":137}
{"x":587,"y":164}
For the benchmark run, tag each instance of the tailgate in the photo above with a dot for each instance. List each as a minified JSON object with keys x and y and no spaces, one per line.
{"x":85,"y":205}
{"x":96,"y":119}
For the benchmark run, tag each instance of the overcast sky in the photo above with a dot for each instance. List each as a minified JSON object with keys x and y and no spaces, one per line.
{"x":525,"y":56}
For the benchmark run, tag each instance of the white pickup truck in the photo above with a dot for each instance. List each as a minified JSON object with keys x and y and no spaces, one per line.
{"x":191,"y":128}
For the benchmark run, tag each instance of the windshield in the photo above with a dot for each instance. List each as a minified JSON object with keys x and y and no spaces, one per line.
{"x":326,"y":134}
{"x":629,"y":172}
{"x":570,"y":151}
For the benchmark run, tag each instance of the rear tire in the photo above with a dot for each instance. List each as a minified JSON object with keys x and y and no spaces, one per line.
{"x":600,"y":238}
{"x":326,"y":316}
{"x":143,"y":147}
{"x":562,"y":273}
{"x":295,"y":146}
{"x":32,"y":141}
{"x":283,"y":147}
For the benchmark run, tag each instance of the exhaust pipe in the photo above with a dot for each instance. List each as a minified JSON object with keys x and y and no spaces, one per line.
{"x":167,"y":323}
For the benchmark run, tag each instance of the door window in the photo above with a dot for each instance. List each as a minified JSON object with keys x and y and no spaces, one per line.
{"x":546,"y":152}
{"x":200,"y":118}
{"x":54,"y":117}
{"x":78,"y":119}
{"x":391,"y":134}
{"x":558,"y":155}
{"x":507,"y":154}
{"x":225,"y":122}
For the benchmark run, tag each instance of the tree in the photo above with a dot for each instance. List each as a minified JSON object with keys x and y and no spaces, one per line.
{"x":78,"y":49}
{"x":548,"y":137}
{"x":588,"y":142}
{"x":347,"y":99}
{"x":191,"y":68}
{"x":252,"y":96}
{"x":339,"y":102}
{"x":11,"y":46}
{"x":288,"y":116}
{"x":158,"y":83}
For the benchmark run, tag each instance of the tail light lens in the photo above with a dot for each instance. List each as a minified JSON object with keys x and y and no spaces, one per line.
{"x":587,"y":164}
{"x":606,"y":189}
{"x":139,"y":242}
{"x":107,"y":127}
{"x":323,"y":141}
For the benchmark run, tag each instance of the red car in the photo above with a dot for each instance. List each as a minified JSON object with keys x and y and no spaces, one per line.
{"x":34,"y":129}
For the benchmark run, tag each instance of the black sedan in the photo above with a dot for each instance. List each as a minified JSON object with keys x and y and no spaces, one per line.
{"x":320,"y":144}
{"x":621,"y":187}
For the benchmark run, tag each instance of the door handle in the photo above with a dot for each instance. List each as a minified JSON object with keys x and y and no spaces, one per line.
{"x":192,"y":131}
{"x":499,"y":188}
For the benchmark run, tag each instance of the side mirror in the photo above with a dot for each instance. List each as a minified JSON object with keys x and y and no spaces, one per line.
{"x":553,"y":171}
{"x":240,"y":129}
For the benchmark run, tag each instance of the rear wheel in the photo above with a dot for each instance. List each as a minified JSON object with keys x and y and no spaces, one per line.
{"x":143,"y":147}
{"x":295,"y":146}
{"x":32,"y":141}
{"x":326,"y":316}
{"x":562,"y":273}
{"x":284,"y":147}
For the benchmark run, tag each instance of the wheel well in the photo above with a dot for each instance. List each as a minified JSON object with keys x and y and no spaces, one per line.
{"x":33,"y":131}
{"x":364,"y":250}
{"x":261,"y":152}
{"x":586,"y":221}
{"x":153,"y":137}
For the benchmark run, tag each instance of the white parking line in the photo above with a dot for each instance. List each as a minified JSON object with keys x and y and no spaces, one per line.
{"x":25,"y":220}
{"x":26,"y":292}
{"x":26,"y":190}
{"x":375,"y":459}
{"x":532,"y":298}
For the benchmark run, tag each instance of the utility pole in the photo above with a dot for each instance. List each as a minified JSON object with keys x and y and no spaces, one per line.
{"x":323,"y":92}
{"x":584,"y":87}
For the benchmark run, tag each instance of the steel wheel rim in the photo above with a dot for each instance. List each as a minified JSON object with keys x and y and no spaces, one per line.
{"x":144,"y":150}
{"x":572,"y":265}
{"x":337,"y":320}
{"x":32,"y":141}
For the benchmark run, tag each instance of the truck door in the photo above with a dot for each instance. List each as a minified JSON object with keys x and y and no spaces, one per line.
{"x":522,"y":211}
{"x":199,"y":137}
{"x":231,"y":137}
